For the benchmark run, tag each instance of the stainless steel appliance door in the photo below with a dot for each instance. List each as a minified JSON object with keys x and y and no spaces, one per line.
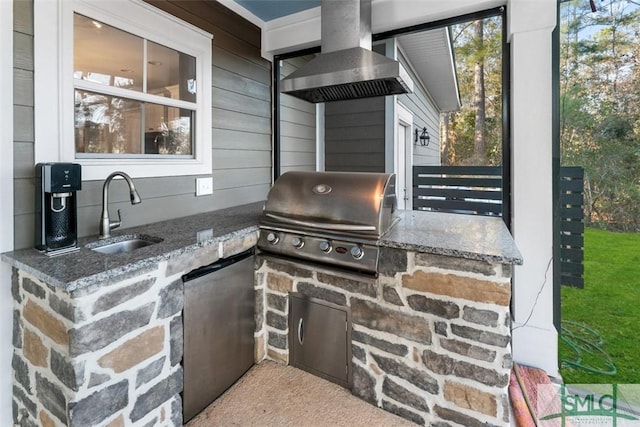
{"x":320,"y":338}
{"x":218,"y":329}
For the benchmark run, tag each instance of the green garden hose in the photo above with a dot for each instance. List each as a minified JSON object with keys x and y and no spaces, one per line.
{"x":584,"y":340}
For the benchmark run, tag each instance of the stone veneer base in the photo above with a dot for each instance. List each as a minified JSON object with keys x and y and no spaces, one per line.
{"x":431,"y":334}
{"x":106,"y":356}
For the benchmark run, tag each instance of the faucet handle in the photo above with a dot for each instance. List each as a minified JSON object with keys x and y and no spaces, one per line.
{"x":115,"y":224}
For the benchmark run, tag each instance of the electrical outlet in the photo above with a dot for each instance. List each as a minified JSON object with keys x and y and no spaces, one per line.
{"x":204,"y":186}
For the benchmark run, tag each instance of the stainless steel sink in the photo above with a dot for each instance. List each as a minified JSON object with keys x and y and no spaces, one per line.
{"x":123,"y":244}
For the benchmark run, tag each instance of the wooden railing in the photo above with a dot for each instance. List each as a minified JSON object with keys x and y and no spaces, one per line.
{"x":572,"y":226}
{"x":477,"y":190}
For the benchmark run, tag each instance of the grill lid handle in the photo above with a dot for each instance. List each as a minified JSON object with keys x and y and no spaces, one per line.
{"x":322,"y":225}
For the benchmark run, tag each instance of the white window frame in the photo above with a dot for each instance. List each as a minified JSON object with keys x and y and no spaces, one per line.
{"x":54,"y":84}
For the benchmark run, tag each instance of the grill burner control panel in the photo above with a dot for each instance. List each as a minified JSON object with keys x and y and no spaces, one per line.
{"x":359,"y":256}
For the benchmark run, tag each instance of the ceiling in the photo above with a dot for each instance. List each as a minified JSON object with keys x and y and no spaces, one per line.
{"x":272,"y":9}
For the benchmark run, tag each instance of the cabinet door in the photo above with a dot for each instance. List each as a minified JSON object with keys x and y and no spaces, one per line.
{"x":319,"y":338}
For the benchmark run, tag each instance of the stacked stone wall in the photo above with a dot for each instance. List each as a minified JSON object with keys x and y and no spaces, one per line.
{"x":106,"y":355}
{"x":431,"y":334}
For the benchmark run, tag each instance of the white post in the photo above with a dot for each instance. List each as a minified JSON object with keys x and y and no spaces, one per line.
{"x":535,"y":339}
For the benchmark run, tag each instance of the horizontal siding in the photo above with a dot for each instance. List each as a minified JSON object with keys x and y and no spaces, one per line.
{"x":297,"y":126}
{"x":22,"y":51}
{"x":241,"y":140}
{"x":425,"y":114}
{"x":23,"y":124}
{"x":230,"y":30}
{"x":242,"y":103}
{"x":235,"y":120}
{"x":298,"y":144}
{"x":25,"y":234}
{"x":298,"y":131}
{"x":295,"y":115}
{"x":365,"y":146}
{"x":307,"y":168}
{"x":229,"y":60}
{"x":23,"y":17}
{"x":355,"y":135}
{"x":23,"y":87}
{"x":23,"y":160}
{"x":234,"y":82}
{"x":241,"y":134}
{"x":231,"y":159}
{"x":237,"y":178}
{"x":298,"y":159}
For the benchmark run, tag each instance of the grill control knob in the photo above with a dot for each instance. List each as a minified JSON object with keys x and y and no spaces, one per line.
{"x":272,"y":238}
{"x":297,"y":242}
{"x":325,"y":246}
{"x":356,"y":252}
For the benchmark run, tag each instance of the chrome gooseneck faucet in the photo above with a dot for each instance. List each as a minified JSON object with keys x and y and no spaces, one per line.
{"x":105,"y":224}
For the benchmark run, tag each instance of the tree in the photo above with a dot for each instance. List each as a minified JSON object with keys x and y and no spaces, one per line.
{"x":479,"y":154}
{"x":474,"y":134}
{"x":600,"y":108}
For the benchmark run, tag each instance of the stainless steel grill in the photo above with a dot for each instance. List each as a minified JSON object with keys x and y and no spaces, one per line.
{"x":334,"y":218}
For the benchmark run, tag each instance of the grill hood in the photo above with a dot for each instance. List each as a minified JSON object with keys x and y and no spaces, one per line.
{"x":347,"y":203}
{"x":346,"y":68}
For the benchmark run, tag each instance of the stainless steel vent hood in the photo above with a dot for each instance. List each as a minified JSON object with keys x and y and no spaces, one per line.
{"x":346,"y":67}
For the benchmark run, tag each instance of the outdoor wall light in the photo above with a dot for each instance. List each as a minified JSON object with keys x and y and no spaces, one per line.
{"x":422,"y":137}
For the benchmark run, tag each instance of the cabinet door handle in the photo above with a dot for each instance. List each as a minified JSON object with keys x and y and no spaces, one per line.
{"x":300,"y":331}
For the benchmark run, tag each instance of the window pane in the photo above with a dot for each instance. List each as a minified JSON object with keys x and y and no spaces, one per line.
{"x":170,"y":73}
{"x":168,"y":130}
{"x":107,"y":124}
{"x":106,"y":55}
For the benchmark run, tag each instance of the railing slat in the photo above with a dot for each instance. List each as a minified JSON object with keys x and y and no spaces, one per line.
{"x":458,"y":181}
{"x":573,"y":268}
{"x":458,"y":194}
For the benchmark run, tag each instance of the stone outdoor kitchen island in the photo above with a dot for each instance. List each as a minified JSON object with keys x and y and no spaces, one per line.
{"x":98,"y":340}
{"x":431,"y":334}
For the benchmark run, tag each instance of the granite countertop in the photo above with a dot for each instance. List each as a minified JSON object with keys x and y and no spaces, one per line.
{"x":476,"y":237}
{"x":464,"y":236}
{"x":179,"y":236}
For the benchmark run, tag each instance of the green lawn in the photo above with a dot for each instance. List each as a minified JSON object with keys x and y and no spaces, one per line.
{"x":610,"y":305}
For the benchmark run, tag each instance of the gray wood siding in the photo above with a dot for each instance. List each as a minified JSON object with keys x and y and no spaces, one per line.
{"x":297,"y":126}
{"x":425,"y":114}
{"x":355,"y":135}
{"x":241,"y":135}
{"x":23,"y":123}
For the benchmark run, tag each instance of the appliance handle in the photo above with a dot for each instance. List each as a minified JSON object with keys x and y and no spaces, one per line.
{"x":63,"y":201}
{"x":217,"y":265}
{"x":322,"y":225}
{"x":300,"y":331}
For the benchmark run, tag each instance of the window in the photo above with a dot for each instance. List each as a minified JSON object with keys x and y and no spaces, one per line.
{"x":132,"y":91}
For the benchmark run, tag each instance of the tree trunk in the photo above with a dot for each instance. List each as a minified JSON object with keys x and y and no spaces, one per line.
{"x":479,"y":152}
{"x":444,"y":148}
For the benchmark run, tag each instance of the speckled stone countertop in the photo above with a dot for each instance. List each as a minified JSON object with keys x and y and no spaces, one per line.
{"x":464,"y":236}
{"x":179,"y":236}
